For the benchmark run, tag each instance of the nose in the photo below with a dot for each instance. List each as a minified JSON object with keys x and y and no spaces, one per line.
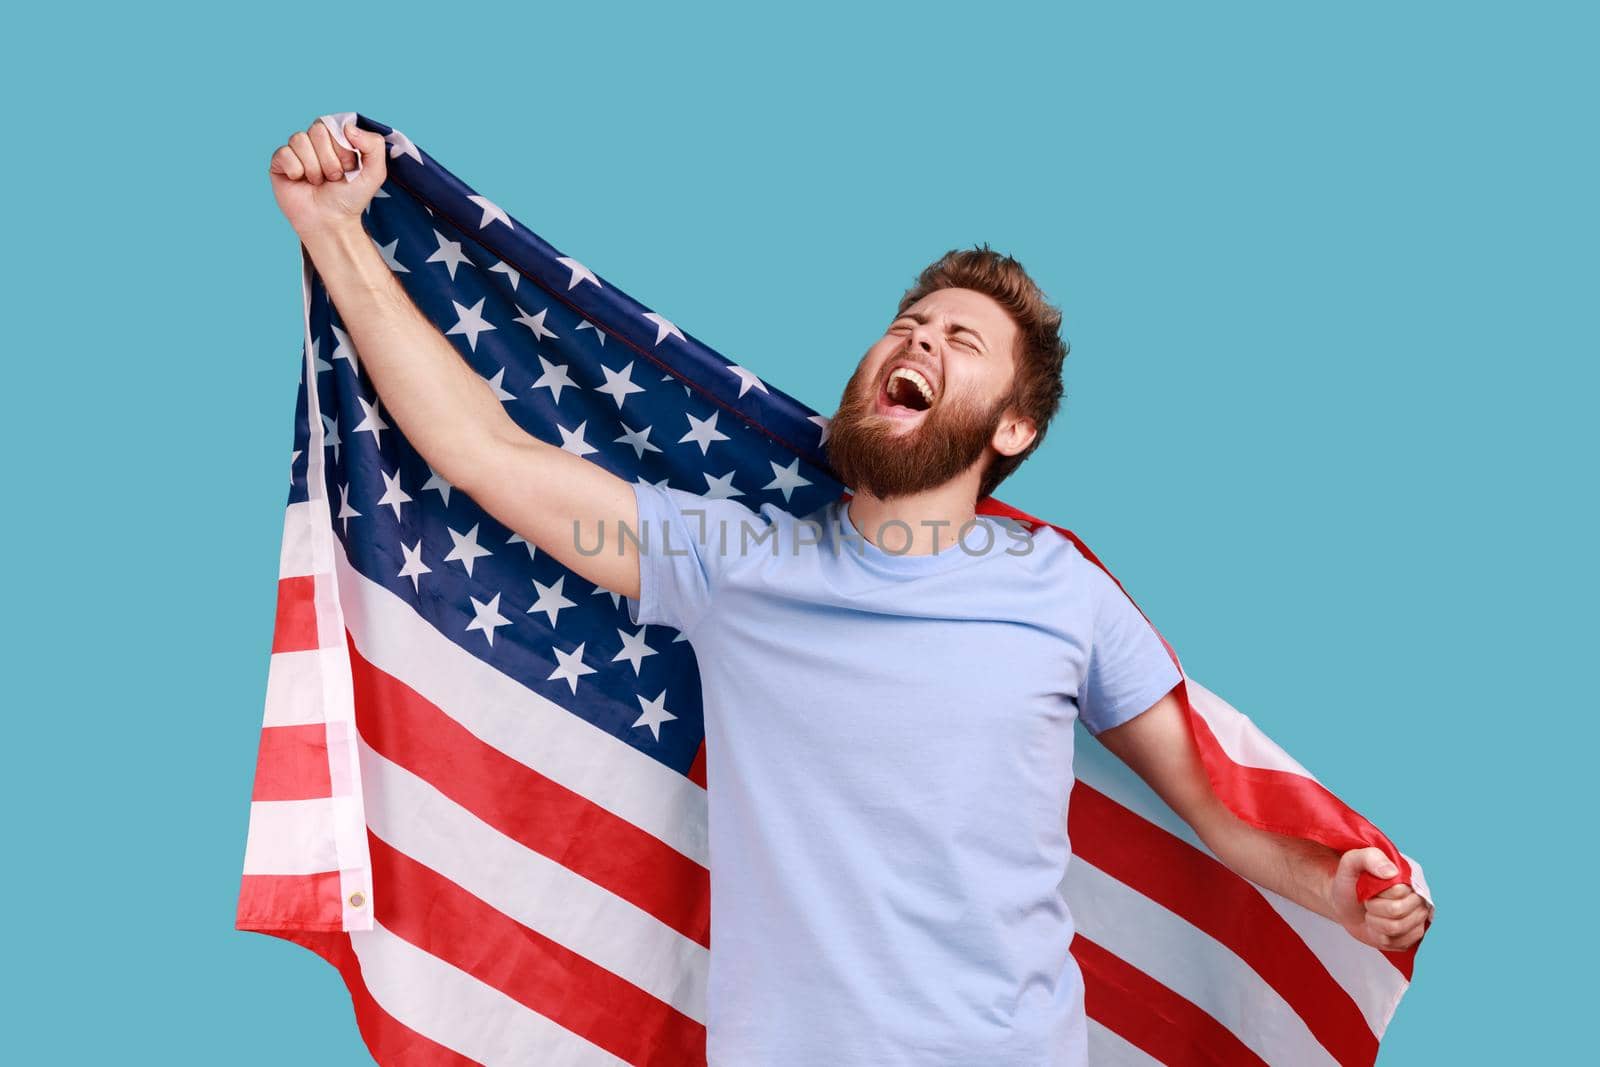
{"x":921,"y":338}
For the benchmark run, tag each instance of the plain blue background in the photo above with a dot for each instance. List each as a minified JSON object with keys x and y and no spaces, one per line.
{"x":1330,"y":282}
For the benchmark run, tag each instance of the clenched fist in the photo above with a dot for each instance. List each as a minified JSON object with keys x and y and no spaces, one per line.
{"x":308,"y":178}
{"x":1393,"y":919}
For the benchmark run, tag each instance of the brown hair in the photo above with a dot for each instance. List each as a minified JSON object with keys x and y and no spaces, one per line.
{"x":1040,"y":349}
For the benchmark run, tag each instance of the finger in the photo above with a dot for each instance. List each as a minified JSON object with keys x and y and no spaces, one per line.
{"x":1400,"y":943}
{"x":1399,"y":889}
{"x":286,"y":163}
{"x":369,"y":143}
{"x":1369,"y":860}
{"x":1381,"y":927}
{"x":346,"y":156}
{"x":1394,"y":908}
{"x":1404,"y":939}
{"x":1374,"y":860}
{"x":323,"y":140}
{"x":300,"y":141}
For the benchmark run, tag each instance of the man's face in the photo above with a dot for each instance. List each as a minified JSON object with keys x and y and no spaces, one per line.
{"x":927,"y":398}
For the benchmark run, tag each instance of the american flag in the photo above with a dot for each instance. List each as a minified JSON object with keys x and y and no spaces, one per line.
{"x":480,"y":792}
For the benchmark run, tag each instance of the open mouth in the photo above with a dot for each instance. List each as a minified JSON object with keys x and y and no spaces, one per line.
{"x":907,"y":391}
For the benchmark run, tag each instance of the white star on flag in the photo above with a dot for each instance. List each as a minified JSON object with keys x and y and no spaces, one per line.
{"x":413,"y":567}
{"x":487,"y":616}
{"x":536,"y":323}
{"x":580,"y":273}
{"x":393,"y":495}
{"x":437,"y":481}
{"x":787,"y":478}
{"x":495,"y":383}
{"x":634,"y":650}
{"x":554,"y":378}
{"x":664,"y":329}
{"x":388,"y":253}
{"x":331,"y":439}
{"x":449,"y":253}
{"x":509,"y":271}
{"x":571,"y":667}
{"x":703,"y":432}
{"x":572,"y":440}
{"x":746,"y":379}
{"x":638,"y":440}
{"x":655,"y":713}
{"x":400,"y":145}
{"x":618,"y":383}
{"x":373,"y":422}
{"x":550,"y":599}
{"x":518,"y":539}
{"x":466,"y":548}
{"x":346,"y":512}
{"x":471,"y":322}
{"x":343,"y":349}
{"x":491,"y":212}
{"x":720,"y":487}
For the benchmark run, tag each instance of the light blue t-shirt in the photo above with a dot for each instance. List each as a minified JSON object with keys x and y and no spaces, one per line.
{"x":888,"y":759}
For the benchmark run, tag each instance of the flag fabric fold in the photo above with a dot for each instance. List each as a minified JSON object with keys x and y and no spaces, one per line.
{"x":480,"y":791}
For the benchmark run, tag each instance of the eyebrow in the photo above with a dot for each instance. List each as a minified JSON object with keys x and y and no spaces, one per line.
{"x":955,"y":327}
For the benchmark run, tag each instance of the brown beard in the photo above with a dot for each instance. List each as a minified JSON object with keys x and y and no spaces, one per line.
{"x":869,"y":453}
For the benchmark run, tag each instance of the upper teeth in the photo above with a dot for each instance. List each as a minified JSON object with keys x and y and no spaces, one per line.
{"x":916,"y":379}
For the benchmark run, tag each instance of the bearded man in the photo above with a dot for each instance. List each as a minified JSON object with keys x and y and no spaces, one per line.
{"x":890,"y":684}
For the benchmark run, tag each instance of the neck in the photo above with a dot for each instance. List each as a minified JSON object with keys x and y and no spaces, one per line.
{"x":935,"y":517}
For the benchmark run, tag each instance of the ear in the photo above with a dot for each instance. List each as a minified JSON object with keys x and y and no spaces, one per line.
{"x":1015,"y":433}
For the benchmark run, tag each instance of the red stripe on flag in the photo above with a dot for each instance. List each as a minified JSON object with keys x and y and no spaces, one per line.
{"x":272,"y":902}
{"x":295,"y":625}
{"x":1279,"y":801}
{"x":1152,"y":1017}
{"x":521,"y":803}
{"x":292,"y":763}
{"x":443,"y":919}
{"x":697,"y":769}
{"x":1206,"y":894}
{"x":1292,"y":804}
{"x":388,"y":1039}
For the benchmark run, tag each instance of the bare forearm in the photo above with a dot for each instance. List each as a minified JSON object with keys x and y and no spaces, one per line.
{"x":1289,"y":866}
{"x":439,"y":402}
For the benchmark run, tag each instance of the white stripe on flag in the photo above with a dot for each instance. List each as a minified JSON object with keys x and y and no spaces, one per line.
{"x":1364,"y":973}
{"x":1192,"y":964}
{"x":291,"y":837}
{"x":536,"y":891}
{"x":296,"y":681}
{"x":1107,"y":1048}
{"x":1244,"y":743}
{"x":297,"y":554}
{"x":462,"y":1013}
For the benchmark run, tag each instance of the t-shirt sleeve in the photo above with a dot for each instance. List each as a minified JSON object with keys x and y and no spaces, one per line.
{"x":687,"y":546}
{"x":1129,"y":668}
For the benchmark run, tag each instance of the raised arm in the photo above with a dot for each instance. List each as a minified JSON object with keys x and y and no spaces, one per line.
{"x":445,"y":409}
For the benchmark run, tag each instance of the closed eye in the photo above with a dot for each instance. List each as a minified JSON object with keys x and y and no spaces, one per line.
{"x":903,"y":327}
